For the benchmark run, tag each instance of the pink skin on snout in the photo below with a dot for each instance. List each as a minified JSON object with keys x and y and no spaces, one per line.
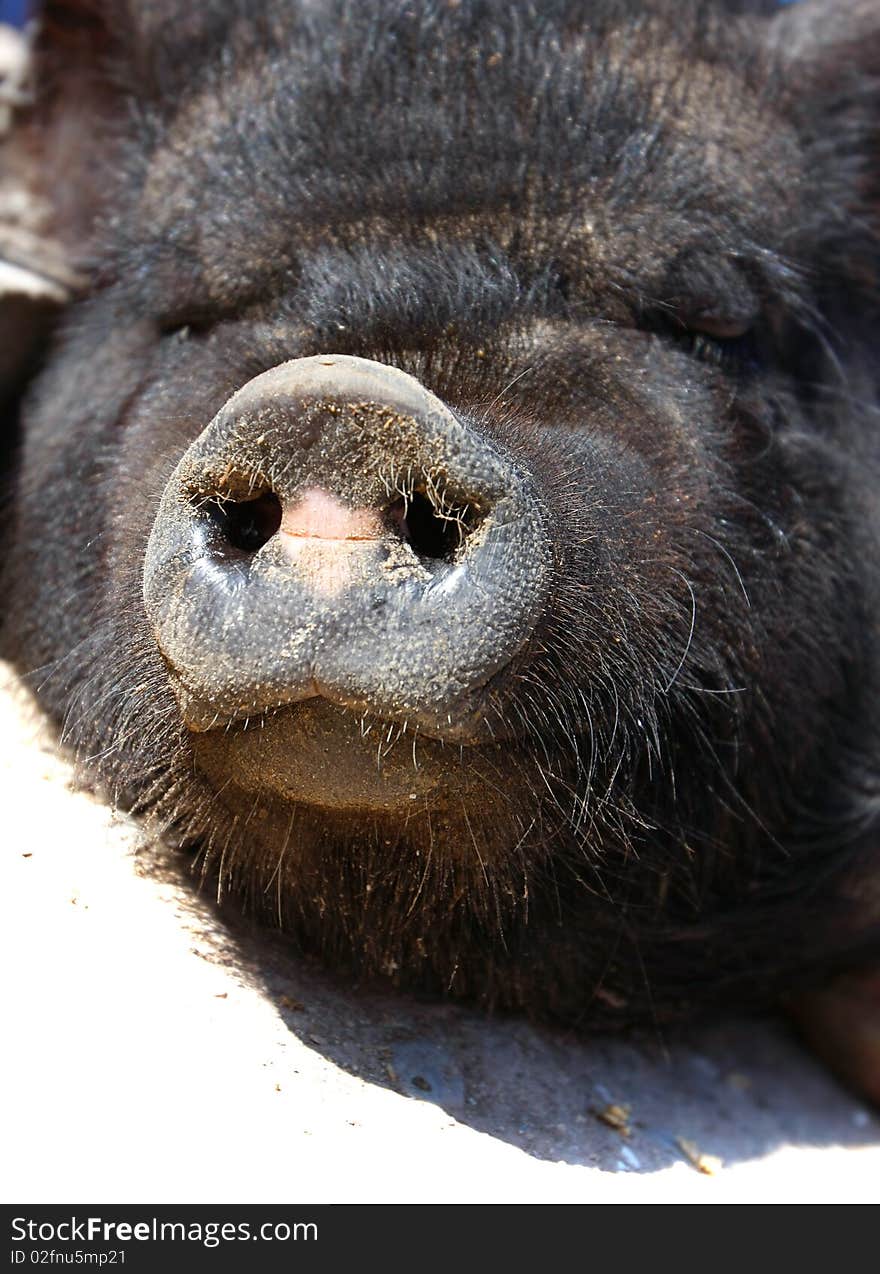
{"x":319,"y":533}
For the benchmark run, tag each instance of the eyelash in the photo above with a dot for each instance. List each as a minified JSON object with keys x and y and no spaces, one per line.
{"x":739,"y":353}
{"x":185,"y":326}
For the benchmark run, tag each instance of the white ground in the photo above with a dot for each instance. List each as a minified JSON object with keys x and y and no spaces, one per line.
{"x":157,"y":1051}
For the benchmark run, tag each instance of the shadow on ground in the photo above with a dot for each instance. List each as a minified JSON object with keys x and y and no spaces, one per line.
{"x":730,"y":1090}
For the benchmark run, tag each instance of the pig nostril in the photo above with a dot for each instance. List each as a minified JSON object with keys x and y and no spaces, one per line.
{"x":246,"y":525}
{"x":431,"y":532}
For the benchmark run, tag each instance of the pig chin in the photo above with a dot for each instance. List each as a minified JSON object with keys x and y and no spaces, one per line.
{"x":320,"y":755}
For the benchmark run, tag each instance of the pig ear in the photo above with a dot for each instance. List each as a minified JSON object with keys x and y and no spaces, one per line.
{"x":49,"y":81}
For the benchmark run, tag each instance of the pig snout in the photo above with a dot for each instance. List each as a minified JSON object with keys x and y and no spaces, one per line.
{"x":338,"y":532}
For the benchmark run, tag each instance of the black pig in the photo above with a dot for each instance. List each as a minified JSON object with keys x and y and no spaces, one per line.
{"x":449,"y":501}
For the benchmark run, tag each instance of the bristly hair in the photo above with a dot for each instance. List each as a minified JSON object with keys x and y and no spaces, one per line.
{"x":690,"y":805}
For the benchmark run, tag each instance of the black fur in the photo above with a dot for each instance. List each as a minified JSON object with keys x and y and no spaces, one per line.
{"x":637,"y":245}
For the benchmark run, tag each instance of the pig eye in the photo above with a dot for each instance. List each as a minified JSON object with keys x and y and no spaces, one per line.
{"x":726,"y":342}
{"x":718,"y":328}
{"x":735,"y":353}
{"x":183,"y":329}
{"x":181,"y":321}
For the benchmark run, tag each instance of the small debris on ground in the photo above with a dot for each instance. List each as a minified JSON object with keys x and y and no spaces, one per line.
{"x":710,"y":1165}
{"x":616,"y":1117}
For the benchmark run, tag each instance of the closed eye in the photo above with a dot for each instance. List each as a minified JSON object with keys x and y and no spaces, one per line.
{"x":740,"y":353}
{"x":733,"y":344}
{"x":187,"y":323}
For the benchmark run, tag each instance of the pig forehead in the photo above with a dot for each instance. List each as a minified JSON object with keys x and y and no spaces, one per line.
{"x":581,"y":159}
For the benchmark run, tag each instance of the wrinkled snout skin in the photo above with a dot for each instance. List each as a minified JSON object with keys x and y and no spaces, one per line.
{"x":358,"y":609}
{"x":450,"y":506}
{"x":361,"y":596}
